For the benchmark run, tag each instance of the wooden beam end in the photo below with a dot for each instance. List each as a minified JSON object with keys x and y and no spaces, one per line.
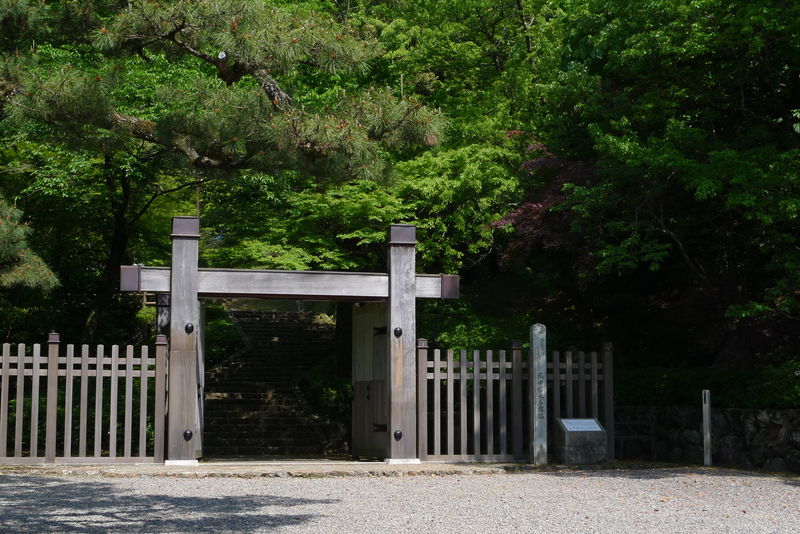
{"x":451,"y":286}
{"x":186,"y":226}
{"x":130,"y":278}
{"x":402,"y":234}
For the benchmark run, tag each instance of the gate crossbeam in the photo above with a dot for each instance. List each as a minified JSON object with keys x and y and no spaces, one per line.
{"x":325,"y":285}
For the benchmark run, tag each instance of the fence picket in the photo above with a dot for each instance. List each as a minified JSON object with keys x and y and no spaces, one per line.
{"x":451,"y":446}
{"x":557,"y":384}
{"x":33,"y":449}
{"x":128,"y":401}
{"x":84,"y":406}
{"x":516,"y":392}
{"x":98,"y":401}
{"x":20,"y":400}
{"x":437,"y":402}
{"x":113,"y":402}
{"x":68,"y":388}
{"x":4,"y":399}
{"x":476,"y":402}
{"x":570,"y":377}
{"x":581,"y":385}
{"x":489,"y":403}
{"x":501,"y":399}
{"x":595,"y":407}
{"x":462,"y":373}
{"x":422,"y":399}
{"x":143,"y":402}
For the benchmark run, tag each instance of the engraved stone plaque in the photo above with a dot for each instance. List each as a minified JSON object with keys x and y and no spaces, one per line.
{"x":582,"y":425}
{"x":580,"y":441}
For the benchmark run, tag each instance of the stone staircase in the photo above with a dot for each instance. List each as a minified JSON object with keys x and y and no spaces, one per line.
{"x":253,"y":406}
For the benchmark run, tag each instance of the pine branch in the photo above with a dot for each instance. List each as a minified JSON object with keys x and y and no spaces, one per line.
{"x":279,"y":98}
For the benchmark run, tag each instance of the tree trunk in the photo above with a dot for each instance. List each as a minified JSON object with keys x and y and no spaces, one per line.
{"x":119,"y":189}
{"x":108,"y":285}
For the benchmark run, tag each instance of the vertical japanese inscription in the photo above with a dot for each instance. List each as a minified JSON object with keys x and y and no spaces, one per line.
{"x":537,"y":378}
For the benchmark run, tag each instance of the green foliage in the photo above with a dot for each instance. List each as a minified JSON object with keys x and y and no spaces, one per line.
{"x":771,"y":386}
{"x":258,"y":221}
{"x":18,"y":264}
{"x":456,"y":194}
{"x":684,"y":113}
{"x":468,"y":324}
{"x":222,"y":337}
{"x":452,"y":197}
{"x":461,"y":56}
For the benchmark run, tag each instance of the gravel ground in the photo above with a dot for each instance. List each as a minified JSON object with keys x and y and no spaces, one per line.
{"x":614,"y":501}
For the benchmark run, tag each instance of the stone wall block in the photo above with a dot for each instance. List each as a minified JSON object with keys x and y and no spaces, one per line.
{"x":767,"y":439}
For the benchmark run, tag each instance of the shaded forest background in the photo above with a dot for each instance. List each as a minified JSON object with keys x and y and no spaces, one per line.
{"x":618,"y":174}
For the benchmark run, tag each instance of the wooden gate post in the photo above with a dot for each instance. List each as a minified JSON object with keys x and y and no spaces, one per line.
{"x":402,"y":336}
{"x":182,"y":430}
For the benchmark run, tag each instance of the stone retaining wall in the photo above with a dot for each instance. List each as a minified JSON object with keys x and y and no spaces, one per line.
{"x":765,"y":439}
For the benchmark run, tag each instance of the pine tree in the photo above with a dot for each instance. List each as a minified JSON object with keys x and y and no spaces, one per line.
{"x":237,"y":110}
{"x":19,"y":266}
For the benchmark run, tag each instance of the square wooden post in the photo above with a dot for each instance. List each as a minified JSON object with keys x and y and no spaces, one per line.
{"x":52,"y":398}
{"x":537,"y":393}
{"x":402,"y":336}
{"x":159,"y":412}
{"x":608,"y":386}
{"x":182,"y":428}
{"x":422,"y":398}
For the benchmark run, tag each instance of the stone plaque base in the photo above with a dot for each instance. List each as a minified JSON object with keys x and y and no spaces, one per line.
{"x":580,"y":441}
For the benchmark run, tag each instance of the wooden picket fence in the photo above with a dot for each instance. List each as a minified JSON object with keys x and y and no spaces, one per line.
{"x":118,"y":395}
{"x":475,"y":405}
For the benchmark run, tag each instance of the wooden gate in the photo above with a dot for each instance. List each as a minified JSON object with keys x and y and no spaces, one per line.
{"x":476,"y":405}
{"x":92,"y":397}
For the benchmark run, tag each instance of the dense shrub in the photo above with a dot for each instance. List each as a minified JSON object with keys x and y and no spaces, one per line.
{"x":771,"y":386}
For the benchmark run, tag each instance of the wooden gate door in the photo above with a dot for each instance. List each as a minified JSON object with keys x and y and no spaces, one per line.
{"x":370,"y":411}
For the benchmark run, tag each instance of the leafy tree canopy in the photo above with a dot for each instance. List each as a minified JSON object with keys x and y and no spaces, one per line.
{"x":685,"y":113}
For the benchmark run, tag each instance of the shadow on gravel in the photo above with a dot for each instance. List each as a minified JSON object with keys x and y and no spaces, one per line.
{"x":44,"y":504}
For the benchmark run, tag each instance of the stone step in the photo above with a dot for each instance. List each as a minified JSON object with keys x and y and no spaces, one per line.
{"x":284,"y":451}
{"x":310,"y":440}
{"x":221,"y":389}
{"x":256,"y":414}
{"x":265,"y":395}
{"x":252,"y":403}
{"x":274,"y":431}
